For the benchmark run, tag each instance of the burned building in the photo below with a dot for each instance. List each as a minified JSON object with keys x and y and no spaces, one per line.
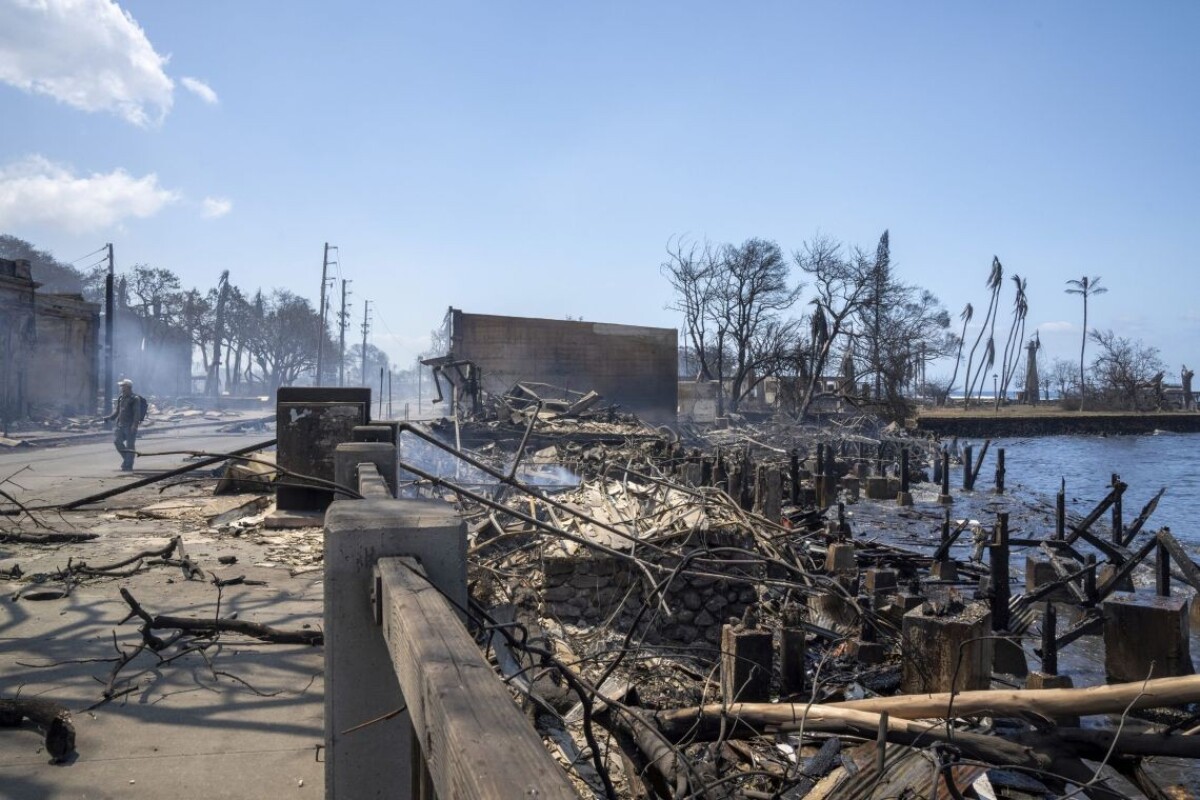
{"x":48,"y":347}
{"x":630,"y":365}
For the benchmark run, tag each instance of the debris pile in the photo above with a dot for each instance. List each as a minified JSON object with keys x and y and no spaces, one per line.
{"x":745,"y":623}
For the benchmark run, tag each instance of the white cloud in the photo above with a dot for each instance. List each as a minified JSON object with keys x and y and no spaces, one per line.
{"x":1057,"y":327}
{"x":38,"y":191}
{"x":200,"y":89}
{"x":89,"y":54}
{"x":214,"y":207}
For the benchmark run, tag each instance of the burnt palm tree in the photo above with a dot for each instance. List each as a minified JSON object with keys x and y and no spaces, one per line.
{"x":1087,"y":287}
{"x":1016,"y":335}
{"x":994,"y":282}
{"x":967,"y":312}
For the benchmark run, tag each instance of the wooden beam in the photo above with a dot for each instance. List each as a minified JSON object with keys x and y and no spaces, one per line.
{"x":474,"y":739}
{"x":1181,"y":558}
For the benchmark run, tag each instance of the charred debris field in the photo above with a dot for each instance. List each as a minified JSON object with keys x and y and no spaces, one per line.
{"x":771,"y":610}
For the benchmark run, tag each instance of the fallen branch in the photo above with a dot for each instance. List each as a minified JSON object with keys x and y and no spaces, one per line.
{"x":1049,"y":703}
{"x":207,"y":462}
{"x":53,"y":719}
{"x":46,"y":538}
{"x":254,"y":630}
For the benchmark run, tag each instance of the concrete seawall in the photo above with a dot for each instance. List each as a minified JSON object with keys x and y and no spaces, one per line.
{"x":979,"y":426}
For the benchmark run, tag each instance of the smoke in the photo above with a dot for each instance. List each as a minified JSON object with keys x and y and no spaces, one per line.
{"x":436,"y":461}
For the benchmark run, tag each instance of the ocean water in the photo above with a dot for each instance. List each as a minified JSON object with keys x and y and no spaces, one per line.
{"x":1146,"y":463}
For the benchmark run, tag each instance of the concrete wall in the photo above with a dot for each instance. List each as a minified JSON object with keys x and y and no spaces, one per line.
{"x":595,"y":588}
{"x":631,"y":365}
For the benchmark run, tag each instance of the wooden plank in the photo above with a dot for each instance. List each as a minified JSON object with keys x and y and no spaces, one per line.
{"x":1181,"y":558}
{"x":475,"y":740}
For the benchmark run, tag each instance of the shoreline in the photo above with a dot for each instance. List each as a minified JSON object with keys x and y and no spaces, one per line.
{"x":1001,"y":425}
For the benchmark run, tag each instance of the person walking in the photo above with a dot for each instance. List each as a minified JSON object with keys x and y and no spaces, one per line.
{"x":129,"y":412}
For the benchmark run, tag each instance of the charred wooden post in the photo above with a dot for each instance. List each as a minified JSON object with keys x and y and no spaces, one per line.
{"x":944,"y":570}
{"x":852,"y":487}
{"x":1146,"y":637}
{"x":1047,"y":677}
{"x":867,"y":649}
{"x":768,"y":492}
{"x":745,"y":664}
{"x":792,"y":646}
{"x":1089,"y":579}
{"x":747,"y":487}
{"x":999,"y":574}
{"x":1049,"y":645}
{"x":843,"y":524}
{"x":830,"y":482}
{"x":879,"y":488}
{"x":1117,"y":520}
{"x":879,"y":581}
{"x":968,"y":477}
{"x":999,"y":470}
{"x":819,"y":473}
{"x":952,"y":652}
{"x":840,"y":558}
{"x":944,"y":498}
{"x":794,"y":476}
{"x":1060,"y":511}
{"x":1162,"y":571}
{"x":904,"y":496}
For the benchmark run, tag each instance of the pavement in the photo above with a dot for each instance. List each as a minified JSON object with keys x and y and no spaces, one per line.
{"x":243,"y":719}
{"x":152,"y":427}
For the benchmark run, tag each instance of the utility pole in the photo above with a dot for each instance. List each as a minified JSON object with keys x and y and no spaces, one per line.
{"x":321,"y":335}
{"x":108,"y":332}
{"x":366,"y":326}
{"x":343,"y":323}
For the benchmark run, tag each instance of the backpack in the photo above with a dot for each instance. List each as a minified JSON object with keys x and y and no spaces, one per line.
{"x":143,"y":408}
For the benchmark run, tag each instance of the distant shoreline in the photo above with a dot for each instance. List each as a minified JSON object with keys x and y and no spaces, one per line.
{"x":985,"y":422}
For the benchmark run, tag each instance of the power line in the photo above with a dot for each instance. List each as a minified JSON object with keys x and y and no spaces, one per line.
{"x":99,"y":249}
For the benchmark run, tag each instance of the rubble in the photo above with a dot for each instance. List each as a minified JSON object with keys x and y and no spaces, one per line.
{"x":684,"y":569}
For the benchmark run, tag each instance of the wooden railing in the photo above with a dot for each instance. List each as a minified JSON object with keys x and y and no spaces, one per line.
{"x":412,"y":708}
{"x":473,"y":740}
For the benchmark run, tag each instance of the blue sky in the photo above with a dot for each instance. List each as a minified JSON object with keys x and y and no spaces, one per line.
{"x":534,"y":158}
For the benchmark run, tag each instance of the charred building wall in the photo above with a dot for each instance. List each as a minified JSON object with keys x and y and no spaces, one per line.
{"x":631,"y":365}
{"x":50,"y":345}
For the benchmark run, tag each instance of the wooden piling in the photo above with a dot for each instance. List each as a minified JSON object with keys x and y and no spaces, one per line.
{"x":791,"y":653}
{"x":1060,"y":511}
{"x":1049,"y":643}
{"x":794,"y":467}
{"x":904,"y":496}
{"x":1146,"y":637}
{"x":745,"y":664}
{"x":999,"y":470}
{"x":944,"y":498}
{"x":830,"y":482}
{"x":1162,"y":571}
{"x":947,"y":653}
{"x":999,"y":574}
{"x":1118,"y":524}
{"x":968,"y":478}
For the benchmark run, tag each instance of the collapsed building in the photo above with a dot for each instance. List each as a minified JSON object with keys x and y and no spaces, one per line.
{"x":632,"y":366}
